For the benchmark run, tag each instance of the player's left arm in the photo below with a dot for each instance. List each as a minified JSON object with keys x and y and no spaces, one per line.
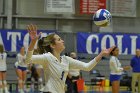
{"x":88,"y":66}
{"x":76,"y":64}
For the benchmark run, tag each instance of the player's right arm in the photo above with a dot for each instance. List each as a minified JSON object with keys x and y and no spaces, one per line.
{"x":37,"y":59}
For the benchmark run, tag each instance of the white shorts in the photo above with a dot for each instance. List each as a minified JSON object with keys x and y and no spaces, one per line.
{"x":3,"y":67}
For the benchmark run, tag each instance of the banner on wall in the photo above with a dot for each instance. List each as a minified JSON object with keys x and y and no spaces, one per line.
{"x":59,"y":6}
{"x":93,"y":43}
{"x":124,"y":8}
{"x":91,"y":6}
{"x":13,"y":40}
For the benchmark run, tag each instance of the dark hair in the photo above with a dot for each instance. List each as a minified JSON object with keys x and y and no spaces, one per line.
{"x":35,"y":51}
{"x":40,"y":47}
{"x":1,"y":48}
{"x":44,"y":43}
{"x":111,"y":53}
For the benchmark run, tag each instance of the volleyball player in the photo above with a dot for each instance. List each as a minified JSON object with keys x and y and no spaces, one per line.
{"x":21,"y":70}
{"x":3,"y":69}
{"x":116,"y":70}
{"x":56,"y":67}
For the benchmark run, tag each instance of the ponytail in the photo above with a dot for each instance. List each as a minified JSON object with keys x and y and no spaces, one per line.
{"x":44,"y":43}
{"x":41,"y":49}
{"x":111,"y":53}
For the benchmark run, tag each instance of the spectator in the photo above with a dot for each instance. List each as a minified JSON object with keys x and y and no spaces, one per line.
{"x":135,"y":64}
{"x":21,"y":70}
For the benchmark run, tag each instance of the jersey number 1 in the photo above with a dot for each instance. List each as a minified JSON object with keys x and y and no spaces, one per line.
{"x":62,"y":75}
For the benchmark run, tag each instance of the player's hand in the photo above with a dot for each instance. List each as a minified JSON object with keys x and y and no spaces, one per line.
{"x":127,"y":67}
{"x":106,"y":52}
{"x":32,"y":30}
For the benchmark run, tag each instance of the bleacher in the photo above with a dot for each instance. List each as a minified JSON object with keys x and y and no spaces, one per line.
{"x":11,"y":75}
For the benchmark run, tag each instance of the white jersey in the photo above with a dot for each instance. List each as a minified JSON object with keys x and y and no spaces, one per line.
{"x":115,"y":66}
{"x":55,"y":71}
{"x":3,"y":66}
{"x":21,"y":60}
{"x":74,"y":72}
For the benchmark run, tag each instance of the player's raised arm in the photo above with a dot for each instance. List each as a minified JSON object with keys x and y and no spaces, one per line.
{"x":32,"y":30}
{"x":104,"y":52}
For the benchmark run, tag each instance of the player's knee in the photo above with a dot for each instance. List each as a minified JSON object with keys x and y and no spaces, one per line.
{"x":20,"y":81}
{"x":4,"y":82}
{"x":24,"y":81}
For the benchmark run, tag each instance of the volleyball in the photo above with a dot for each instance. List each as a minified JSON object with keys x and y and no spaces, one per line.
{"x":102,"y":18}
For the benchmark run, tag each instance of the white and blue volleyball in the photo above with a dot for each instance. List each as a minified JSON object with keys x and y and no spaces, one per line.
{"x":102,"y":17}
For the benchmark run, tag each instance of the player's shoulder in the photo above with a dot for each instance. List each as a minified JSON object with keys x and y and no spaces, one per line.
{"x":112,"y":58}
{"x":48,"y":55}
{"x":45,"y":55}
{"x":18,"y":54}
{"x":5,"y":53}
{"x":65,"y":57}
